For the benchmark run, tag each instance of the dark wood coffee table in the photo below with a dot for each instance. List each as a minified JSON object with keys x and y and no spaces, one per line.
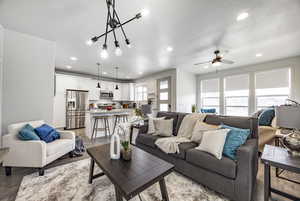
{"x":130,"y":177}
{"x":279,"y":158}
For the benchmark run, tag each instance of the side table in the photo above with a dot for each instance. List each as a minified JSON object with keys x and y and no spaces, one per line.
{"x":278,"y":157}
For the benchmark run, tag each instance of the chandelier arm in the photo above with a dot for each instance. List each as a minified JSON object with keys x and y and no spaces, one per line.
{"x":107,"y":21}
{"x":120,"y":23}
{"x":100,"y":36}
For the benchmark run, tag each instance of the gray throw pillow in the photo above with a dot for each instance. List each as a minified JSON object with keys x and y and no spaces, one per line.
{"x":163,"y":127}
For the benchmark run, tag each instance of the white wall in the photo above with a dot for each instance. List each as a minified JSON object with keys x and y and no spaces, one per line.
{"x":28,"y":78}
{"x":1,"y":77}
{"x":292,"y":62}
{"x":169,"y":73}
{"x":186,"y":91}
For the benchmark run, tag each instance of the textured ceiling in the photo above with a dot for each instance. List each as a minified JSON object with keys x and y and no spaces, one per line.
{"x":194,"y":28}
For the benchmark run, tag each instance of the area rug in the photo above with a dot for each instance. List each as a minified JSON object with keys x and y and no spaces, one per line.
{"x":70,"y":182}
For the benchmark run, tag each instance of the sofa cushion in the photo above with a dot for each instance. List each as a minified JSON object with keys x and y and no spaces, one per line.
{"x":147,"y":139}
{"x":170,"y":115}
{"x":225,"y":166}
{"x":59,"y":146}
{"x":183,"y":147}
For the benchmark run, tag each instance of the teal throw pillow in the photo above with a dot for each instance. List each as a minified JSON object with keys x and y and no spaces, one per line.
{"x":234,"y":139}
{"x":28,"y":133}
{"x":266,"y":117}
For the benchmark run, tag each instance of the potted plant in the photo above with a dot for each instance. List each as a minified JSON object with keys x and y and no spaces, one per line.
{"x":194,"y":108}
{"x":126,"y":150}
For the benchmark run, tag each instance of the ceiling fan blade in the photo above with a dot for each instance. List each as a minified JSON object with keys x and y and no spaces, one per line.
{"x":227,"y":61}
{"x":196,"y":64}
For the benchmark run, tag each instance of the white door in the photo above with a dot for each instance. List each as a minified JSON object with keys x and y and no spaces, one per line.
{"x":164,"y":94}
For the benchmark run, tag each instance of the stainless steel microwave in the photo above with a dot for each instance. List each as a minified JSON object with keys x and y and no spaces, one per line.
{"x":106,"y":95}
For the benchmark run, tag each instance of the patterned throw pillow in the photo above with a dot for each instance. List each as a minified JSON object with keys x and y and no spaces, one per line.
{"x":235,"y":138}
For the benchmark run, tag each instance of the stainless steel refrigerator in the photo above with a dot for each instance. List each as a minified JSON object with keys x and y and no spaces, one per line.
{"x":76,"y":107}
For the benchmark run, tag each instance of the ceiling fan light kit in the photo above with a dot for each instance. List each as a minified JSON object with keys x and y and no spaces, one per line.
{"x":217,"y":61}
{"x":112,"y":24}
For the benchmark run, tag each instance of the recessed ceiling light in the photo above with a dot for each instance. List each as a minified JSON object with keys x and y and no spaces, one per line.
{"x":74,"y":58}
{"x":68,"y":66}
{"x":169,"y":49}
{"x":140,"y":73}
{"x":258,"y":55}
{"x":104,"y":73}
{"x":205,"y":67}
{"x":242,"y":16}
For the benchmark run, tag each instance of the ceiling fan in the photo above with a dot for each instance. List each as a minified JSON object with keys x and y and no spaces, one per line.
{"x":217,"y":60}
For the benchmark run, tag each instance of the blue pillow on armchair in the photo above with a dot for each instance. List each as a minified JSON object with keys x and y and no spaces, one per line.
{"x":28,"y":133}
{"x":234,"y":139}
{"x":47,"y":133}
{"x":266,"y":117}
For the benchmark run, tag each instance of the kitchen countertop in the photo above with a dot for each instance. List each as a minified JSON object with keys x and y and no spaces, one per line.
{"x":113,"y":111}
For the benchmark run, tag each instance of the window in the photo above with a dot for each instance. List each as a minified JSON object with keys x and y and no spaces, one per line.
{"x":272,"y":87}
{"x":140,"y":93}
{"x":210,"y":96}
{"x":236,"y":94}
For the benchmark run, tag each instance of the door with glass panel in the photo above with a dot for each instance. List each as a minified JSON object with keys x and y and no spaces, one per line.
{"x":164,"y":94}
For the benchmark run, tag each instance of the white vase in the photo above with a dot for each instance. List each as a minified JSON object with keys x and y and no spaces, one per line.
{"x":115,"y":147}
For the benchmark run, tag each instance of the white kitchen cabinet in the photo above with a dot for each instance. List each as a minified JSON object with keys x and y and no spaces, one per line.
{"x":125,"y":93}
{"x":151,"y":86}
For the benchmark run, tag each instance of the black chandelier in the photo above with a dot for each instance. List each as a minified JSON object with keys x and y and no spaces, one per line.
{"x":112,"y":24}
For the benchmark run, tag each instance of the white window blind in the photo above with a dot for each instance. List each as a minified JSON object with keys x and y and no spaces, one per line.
{"x":236,"y":92}
{"x":272,"y":87}
{"x":210,"y":94}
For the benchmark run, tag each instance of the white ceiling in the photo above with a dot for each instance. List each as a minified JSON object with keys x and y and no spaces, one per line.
{"x":194,"y":28}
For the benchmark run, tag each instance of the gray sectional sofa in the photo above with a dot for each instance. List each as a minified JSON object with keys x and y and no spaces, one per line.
{"x":234,"y":179}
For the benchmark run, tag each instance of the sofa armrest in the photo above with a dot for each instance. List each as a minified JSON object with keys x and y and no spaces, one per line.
{"x":67,"y":135}
{"x":247,"y":166}
{"x":143,"y":128}
{"x":24,"y":153}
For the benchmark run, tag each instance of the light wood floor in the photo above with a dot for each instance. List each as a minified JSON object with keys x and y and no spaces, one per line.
{"x":9,"y":185}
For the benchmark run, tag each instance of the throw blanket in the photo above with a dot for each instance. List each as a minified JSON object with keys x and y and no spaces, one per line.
{"x":170,"y":144}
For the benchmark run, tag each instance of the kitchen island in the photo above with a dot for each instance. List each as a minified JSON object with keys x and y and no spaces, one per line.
{"x":90,"y":118}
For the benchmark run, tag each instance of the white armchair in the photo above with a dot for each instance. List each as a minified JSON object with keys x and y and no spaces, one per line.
{"x":36,"y":154}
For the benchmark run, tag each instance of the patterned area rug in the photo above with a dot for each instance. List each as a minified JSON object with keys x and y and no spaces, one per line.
{"x":70,"y":182}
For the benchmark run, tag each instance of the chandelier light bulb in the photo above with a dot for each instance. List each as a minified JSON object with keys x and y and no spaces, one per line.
{"x":104,"y":53}
{"x":118,"y":51}
{"x":145,"y":12}
{"x":128,"y":43}
{"x":89,"y":42}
